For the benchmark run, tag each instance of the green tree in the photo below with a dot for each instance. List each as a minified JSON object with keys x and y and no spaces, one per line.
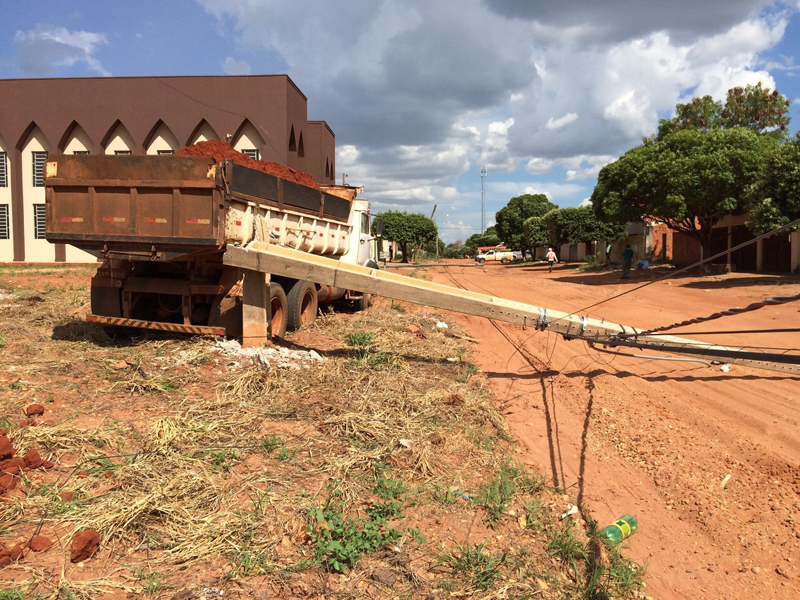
{"x":407,"y":229}
{"x":476,"y":240}
{"x":689,"y":180}
{"x":757,"y":108}
{"x":536,"y":233}
{"x":576,"y":225}
{"x":511,"y":218}
{"x":775,"y":199}
{"x":701,"y":113}
{"x":454,"y":250}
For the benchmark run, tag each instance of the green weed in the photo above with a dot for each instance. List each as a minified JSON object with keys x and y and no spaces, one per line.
{"x":359,"y":339}
{"x":340,"y":540}
{"x":561,"y":542}
{"x":271,"y":443}
{"x":482,"y":569}
{"x":152,"y":581}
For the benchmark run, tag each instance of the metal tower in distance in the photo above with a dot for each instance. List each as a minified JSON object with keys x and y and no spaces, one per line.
{"x":483,"y":200}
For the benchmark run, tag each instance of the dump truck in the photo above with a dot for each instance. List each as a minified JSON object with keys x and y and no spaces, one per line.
{"x":194,"y":245}
{"x":160,"y":226}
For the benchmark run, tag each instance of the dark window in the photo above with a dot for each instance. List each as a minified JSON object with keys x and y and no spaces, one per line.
{"x":80,"y":152}
{"x":301,"y":150}
{"x":327,"y":169}
{"x":39,"y":158}
{"x":292,"y":141}
{"x":252,"y":153}
{"x":122,"y":152}
{"x":3,"y":170}
{"x":38,"y":221}
{"x":5,"y":232}
{"x":160,"y":152}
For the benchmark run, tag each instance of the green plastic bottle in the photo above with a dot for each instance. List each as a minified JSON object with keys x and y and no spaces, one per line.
{"x":619,"y":530}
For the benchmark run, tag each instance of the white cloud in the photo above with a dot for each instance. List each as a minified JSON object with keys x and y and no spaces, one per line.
{"x":231,"y":66}
{"x":420,"y":93}
{"x":41,"y":51}
{"x":539,"y":166}
{"x":561,"y":121}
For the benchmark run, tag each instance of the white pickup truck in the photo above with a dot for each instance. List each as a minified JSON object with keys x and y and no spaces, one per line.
{"x":502,"y":254}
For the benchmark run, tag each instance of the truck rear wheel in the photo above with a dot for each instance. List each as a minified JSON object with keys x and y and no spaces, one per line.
{"x":302,"y":303}
{"x":365,"y":302}
{"x":504,"y":261}
{"x":278,"y":310}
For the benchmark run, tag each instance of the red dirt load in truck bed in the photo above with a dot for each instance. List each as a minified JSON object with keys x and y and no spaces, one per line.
{"x":219,"y":151}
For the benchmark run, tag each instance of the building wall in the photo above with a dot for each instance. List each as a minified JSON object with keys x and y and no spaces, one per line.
{"x":145,"y":115}
{"x":6,"y":240}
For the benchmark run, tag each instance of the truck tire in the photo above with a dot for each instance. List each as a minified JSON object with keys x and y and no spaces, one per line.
{"x":302,"y":303}
{"x":504,"y":261}
{"x":481,"y":261}
{"x":278,"y":310}
{"x":365,"y":302}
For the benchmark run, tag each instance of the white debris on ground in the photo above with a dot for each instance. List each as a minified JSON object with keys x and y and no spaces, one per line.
{"x":274,"y":357}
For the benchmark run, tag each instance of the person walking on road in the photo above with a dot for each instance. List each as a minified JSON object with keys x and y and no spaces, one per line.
{"x":627,"y":258}
{"x":551,"y":258}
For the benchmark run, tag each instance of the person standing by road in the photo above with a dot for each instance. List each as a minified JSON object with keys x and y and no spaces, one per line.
{"x":608,"y":253}
{"x":551,"y":258}
{"x":627,"y":258}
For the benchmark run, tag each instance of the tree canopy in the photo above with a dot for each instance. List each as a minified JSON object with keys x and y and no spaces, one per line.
{"x":775,"y":199}
{"x":690,"y":179}
{"x":511,"y":218}
{"x":476,"y":240}
{"x":406,"y":228}
{"x":575,"y":225}
{"x":757,"y":108}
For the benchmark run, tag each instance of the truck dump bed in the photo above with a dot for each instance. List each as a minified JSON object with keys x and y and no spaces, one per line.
{"x":166,"y":208}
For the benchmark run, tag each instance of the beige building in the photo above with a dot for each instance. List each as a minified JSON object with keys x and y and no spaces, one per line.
{"x":263,"y":116}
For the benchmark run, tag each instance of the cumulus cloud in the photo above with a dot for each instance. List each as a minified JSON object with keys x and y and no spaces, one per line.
{"x":231,"y":66}
{"x":41,"y":51}
{"x":561,"y":121}
{"x":421,"y":93}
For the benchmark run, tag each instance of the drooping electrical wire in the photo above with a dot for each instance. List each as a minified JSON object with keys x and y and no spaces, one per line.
{"x":725,"y":313}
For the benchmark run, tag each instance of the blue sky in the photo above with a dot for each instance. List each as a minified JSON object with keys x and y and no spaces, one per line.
{"x":421,"y":94}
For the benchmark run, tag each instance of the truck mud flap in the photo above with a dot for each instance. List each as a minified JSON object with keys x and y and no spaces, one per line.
{"x":155,"y":325}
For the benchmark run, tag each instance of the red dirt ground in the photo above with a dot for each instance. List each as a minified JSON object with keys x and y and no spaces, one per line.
{"x":657,"y":439}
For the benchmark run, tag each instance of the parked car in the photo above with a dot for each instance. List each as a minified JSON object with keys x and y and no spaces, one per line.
{"x":504,"y":255}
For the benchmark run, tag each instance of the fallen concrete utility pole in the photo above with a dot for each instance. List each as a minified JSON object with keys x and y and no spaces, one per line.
{"x":263,"y":257}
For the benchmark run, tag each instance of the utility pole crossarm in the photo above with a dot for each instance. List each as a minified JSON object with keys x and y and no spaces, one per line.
{"x":282,"y":261}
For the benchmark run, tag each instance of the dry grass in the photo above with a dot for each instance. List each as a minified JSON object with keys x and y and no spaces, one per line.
{"x":182,"y":457}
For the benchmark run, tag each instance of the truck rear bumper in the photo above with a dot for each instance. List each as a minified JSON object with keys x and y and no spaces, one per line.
{"x":155,"y":325}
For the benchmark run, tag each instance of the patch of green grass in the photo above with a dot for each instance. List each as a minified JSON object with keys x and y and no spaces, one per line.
{"x":339,"y":540}
{"x":465,"y":371}
{"x":482,"y":569}
{"x":510,"y":479}
{"x":286,"y":455}
{"x":103,"y":465}
{"x":153,"y":581}
{"x":220,"y":460}
{"x":271,"y":443}
{"x":561,"y":542}
{"x":15,"y":385}
{"x":359,"y":339}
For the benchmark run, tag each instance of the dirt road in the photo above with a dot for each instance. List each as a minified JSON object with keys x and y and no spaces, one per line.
{"x":709,"y":461}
